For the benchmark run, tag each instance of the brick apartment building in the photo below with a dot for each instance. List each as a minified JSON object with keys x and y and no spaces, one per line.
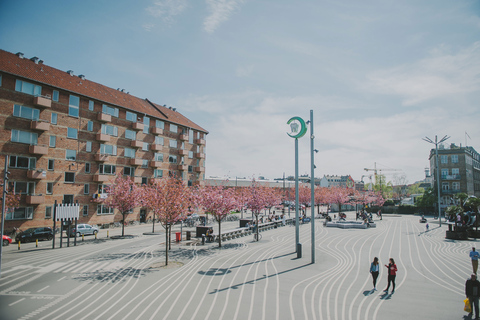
{"x":67,"y":137}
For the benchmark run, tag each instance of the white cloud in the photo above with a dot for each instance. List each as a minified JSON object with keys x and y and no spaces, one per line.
{"x":440,"y":75}
{"x":166,"y":10}
{"x":221,"y":11}
{"x":244,"y":71}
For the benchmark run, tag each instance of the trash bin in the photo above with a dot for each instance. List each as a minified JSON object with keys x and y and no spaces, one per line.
{"x":178,"y":236}
{"x":299,"y":250}
{"x":189,"y":235}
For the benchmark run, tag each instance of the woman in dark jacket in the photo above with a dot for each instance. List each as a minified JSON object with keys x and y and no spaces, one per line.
{"x":392,"y":273}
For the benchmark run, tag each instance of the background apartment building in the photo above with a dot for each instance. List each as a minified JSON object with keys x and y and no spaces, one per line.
{"x":67,"y":138}
{"x":459,"y":169}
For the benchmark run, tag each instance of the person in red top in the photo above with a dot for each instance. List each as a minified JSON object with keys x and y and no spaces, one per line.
{"x":392,"y":273}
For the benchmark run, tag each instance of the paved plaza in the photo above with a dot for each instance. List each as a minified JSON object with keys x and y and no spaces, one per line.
{"x":124,"y":278}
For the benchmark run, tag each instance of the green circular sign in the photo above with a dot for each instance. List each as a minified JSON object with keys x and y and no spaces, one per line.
{"x":297,"y":126}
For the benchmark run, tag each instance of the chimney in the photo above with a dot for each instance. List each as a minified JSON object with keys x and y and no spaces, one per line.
{"x":35,"y":59}
{"x":70,"y":72}
{"x":20,"y":55}
{"x":82,"y":77}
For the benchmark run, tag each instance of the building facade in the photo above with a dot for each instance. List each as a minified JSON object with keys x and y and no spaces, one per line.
{"x":68,"y":137}
{"x":459,"y":171}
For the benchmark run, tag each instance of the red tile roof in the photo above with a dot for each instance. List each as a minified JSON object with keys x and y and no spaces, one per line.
{"x":26,"y":68}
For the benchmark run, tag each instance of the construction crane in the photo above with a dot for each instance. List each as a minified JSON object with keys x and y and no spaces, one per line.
{"x":375,"y":170}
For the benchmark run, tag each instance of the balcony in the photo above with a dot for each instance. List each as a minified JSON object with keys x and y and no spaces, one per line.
{"x":36,"y":174}
{"x":137,"y":126}
{"x":101,"y":177}
{"x":38,"y":150}
{"x":157,"y":131}
{"x":183,"y":137}
{"x":156,"y":164}
{"x":182,"y":167}
{"x":450,"y":191}
{"x":199,"y":155}
{"x":103,"y":137}
{"x":104,"y":117}
{"x":137,"y":180}
{"x":200,"y":141}
{"x":451,"y":177}
{"x":156,"y":147}
{"x":136,"y":144}
{"x":183,"y":152}
{"x":40,"y":101}
{"x":135,"y":162}
{"x":40,"y":125}
{"x":199,"y":169}
{"x":33,"y":199}
{"x":101,"y":157}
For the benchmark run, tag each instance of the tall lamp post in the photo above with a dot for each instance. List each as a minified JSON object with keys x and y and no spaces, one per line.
{"x":436,"y":142}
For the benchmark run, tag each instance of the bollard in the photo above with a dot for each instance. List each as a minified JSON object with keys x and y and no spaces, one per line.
{"x":19,"y":244}
{"x":299,"y":250}
{"x":203,"y":239}
{"x":83,"y":237}
{"x":36,"y":243}
{"x":107,"y":233}
{"x":95,"y":236}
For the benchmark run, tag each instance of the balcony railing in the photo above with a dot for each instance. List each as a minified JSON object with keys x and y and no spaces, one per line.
{"x":101,"y":157}
{"x":136,"y":144}
{"x":135,"y":162}
{"x":156,"y":147}
{"x":35,"y":199}
{"x":35,"y":149}
{"x":137,"y":126}
{"x":199,"y":169}
{"x":199,"y":155}
{"x":182,"y":167}
{"x":450,"y":191}
{"x":200,"y":141}
{"x":183,"y":152}
{"x":103,"y":137}
{"x":156,"y":164}
{"x":451,"y":177}
{"x":40,"y":101}
{"x":157,"y":131}
{"x":104,"y":117}
{"x":36,"y":174}
{"x":101,"y":177}
{"x":183,"y":137}
{"x":40,"y":125}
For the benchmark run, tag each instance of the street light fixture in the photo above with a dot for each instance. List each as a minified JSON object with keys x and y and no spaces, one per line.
{"x":427,"y":139}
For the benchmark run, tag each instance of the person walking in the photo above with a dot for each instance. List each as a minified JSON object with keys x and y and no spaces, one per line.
{"x":374,"y":270}
{"x":472,"y":290}
{"x":474,"y":255}
{"x":392,"y":274}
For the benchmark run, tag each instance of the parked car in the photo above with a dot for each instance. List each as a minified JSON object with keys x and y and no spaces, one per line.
{"x":33,"y":234}
{"x":6,"y":240}
{"x":83,"y":229}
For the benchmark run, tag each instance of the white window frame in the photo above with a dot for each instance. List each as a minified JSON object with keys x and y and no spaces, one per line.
{"x":25,"y":112}
{"x":55,"y":95}
{"x":53,"y":118}
{"x":88,"y":146}
{"x":129,"y":153}
{"x":74,"y":106}
{"x":72,"y":133}
{"x":52,"y":141}
{"x":110,"y":110}
{"x":130,"y":116}
{"x":27,"y":215}
{"x":24,"y":87}
{"x":32,"y":162}
{"x":105,"y":148}
{"x":69,"y":153}
{"x":25,"y":137}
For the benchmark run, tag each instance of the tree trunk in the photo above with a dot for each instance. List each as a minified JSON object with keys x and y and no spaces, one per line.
{"x":166,"y":246}
{"x":123,"y":224}
{"x":219,"y":234}
{"x":257,"y":226}
{"x":153,"y":227}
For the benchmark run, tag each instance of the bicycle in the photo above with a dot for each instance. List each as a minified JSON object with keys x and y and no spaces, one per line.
{"x":255,"y":237}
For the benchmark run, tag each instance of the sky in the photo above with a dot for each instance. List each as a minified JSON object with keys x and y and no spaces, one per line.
{"x":378,"y":75}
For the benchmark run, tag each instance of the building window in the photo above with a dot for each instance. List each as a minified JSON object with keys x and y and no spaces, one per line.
{"x":144,"y":180}
{"x":27,"y":87}
{"x":21,"y":187}
{"x":173,"y":143}
{"x":158,"y":173}
{"x":144,"y":163}
{"x":110,"y":130}
{"x":190,"y":154}
{"x":70,"y":155}
{"x":160,"y":124}
{"x":158,"y":157}
{"x":159,"y":140}
{"x":88,"y":146}
{"x":85,"y":210}
{"x":51,"y":164}
{"x":444,"y":173}
{"x":455,"y":171}
{"x":172,"y":159}
{"x":146,"y":124}
{"x":86,"y":188}
{"x":145,"y":146}
{"x":90,"y":126}
{"x":110,"y":110}
{"x":102,"y":189}
{"x":455,"y":185}
{"x":131,"y":116}
{"x":90,"y":105}
{"x":190,"y":136}
{"x":25,"y":112}
{"x":130,"y":134}
{"x":107,"y":169}
{"x":108,"y":149}
{"x":74,"y":106}
{"x":455,"y":158}
{"x":445,"y":186}
{"x":68,"y":198}
{"x":103,"y":209}
{"x":87,"y":167}
{"x":129,"y":153}
{"x":173,"y":128}
{"x":53,"y":118}
{"x":49,"y":187}
{"x":72,"y":133}
{"x":190,"y":168}
{"x":52,"y":142}
{"x":20,"y":214}
{"x":444,"y":159}
{"x":22,"y":162}
{"x":48,"y":212}
{"x":24,"y":137}
{"x":55,"y":95}
{"x":129,"y":171}
{"x":69,"y":177}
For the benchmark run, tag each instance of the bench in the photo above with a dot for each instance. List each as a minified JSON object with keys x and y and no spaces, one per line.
{"x":231,"y":234}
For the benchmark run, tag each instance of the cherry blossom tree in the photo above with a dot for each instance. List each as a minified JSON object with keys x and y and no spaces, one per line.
{"x":219,"y":201}
{"x":170,"y":200}
{"x":123,"y":195}
{"x":339,"y":196}
{"x":256,"y":199}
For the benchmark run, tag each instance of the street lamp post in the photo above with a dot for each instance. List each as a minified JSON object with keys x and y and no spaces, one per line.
{"x":436,"y":142}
